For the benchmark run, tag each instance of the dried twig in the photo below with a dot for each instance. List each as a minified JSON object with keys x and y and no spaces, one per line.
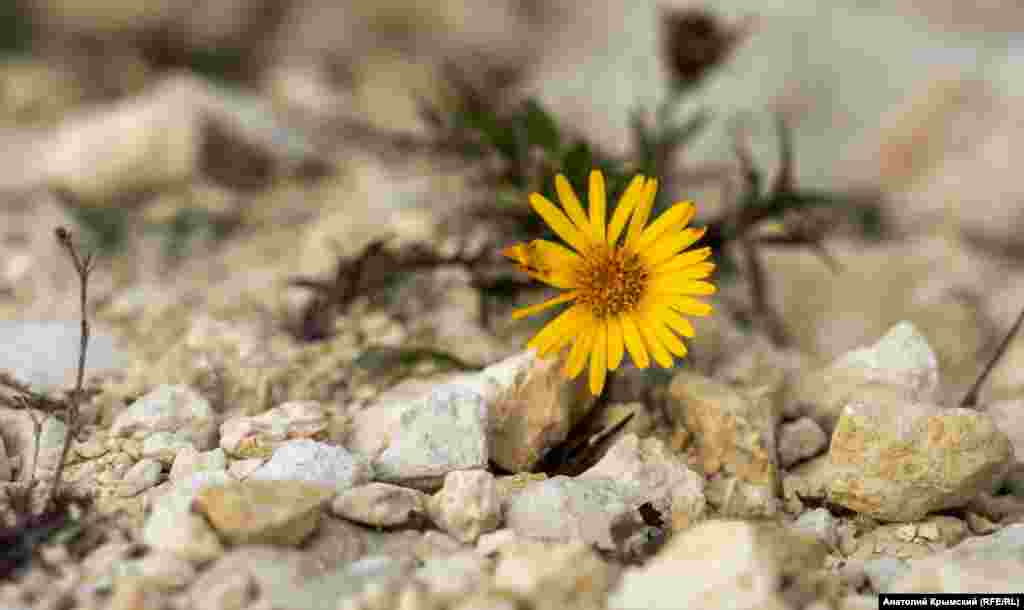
{"x":970,"y":400}
{"x":83,"y":267}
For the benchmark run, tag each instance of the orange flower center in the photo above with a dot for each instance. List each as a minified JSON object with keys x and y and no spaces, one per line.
{"x":610,"y":281}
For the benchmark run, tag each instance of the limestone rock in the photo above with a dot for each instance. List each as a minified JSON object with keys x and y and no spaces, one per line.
{"x":555,"y":575}
{"x":446,"y":431}
{"x":314,"y":462}
{"x":258,"y":436}
{"x":281,"y":513}
{"x":533,"y":408}
{"x":468,"y":505}
{"x":899,"y":460}
{"x":651,"y":474}
{"x":169,"y":408}
{"x":726,"y":563}
{"x":379,"y":504}
{"x":901,"y":361}
{"x":799,"y":440}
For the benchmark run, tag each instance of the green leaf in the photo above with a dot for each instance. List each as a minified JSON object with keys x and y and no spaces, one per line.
{"x":541,"y":129}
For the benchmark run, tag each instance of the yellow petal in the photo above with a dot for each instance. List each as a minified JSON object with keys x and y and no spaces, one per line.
{"x":556,"y":333}
{"x":676,"y":217}
{"x":572,"y":206}
{"x":690,"y":307}
{"x":599,"y":359}
{"x":693,"y":272}
{"x":672,"y":245}
{"x":677,"y":322}
{"x":634,"y":343}
{"x":598,"y":203}
{"x":668,"y":338}
{"x":679,"y":284}
{"x":558,"y":222}
{"x":523,"y":312}
{"x":681,"y":261}
{"x":578,"y":355}
{"x":626,"y":205}
{"x":643,"y":211}
{"x":661,"y":355}
{"x":553,"y":263}
{"x":616,"y":346}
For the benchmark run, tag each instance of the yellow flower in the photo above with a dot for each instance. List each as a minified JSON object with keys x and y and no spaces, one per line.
{"x":629,"y":296}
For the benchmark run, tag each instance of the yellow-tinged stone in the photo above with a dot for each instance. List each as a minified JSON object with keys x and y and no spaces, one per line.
{"x":264,"y":512}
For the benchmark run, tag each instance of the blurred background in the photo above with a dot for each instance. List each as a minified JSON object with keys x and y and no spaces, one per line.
{"x":213,"y":151}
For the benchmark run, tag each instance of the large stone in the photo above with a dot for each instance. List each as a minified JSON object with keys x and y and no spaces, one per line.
{"x":901,"y":360}
{"x":282,"y":513}
{"x":169,"y":408}
{"x":380,"y":504}
{"x":258,"y":436}
{"x":314,"y":462}
{"x":564,"y":510}
{"x":172,"y":526}
{"x":990,"y":564}
{"x":649,"y":473}
{"x":898,"y":460}
{"x":735,"y":435}
{"x":554,"y":575}
{"x":468,"y":505}
{"x":447,"y":431}
{"x":730,"y":564}
{"x":532,"y":408}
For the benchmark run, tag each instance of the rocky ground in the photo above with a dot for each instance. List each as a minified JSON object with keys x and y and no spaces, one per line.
{"x":413,"y":456}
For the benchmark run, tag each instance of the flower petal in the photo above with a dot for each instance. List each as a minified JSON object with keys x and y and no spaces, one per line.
{"x":661,"y":355}
{"x":643,"y":211}
{"x":523,"y":312}
{"x":689,"y":306}
{"x":693,"y":272}
{"x":599,"y":358}
{"x":668,"y":338}
{"x":681,"y":261}
{"x":557,"y":332}
{"x":578,"y":356}
{"x":678,"y":215}
{"x":679,"y":284}
{"x":672,"y":245}
{"x":627,"y":203}
{"x":558,"y":222}
{"x":598,"y":203}
{"x":616,"y":346}
{"x":677,"y":322}
{"x":553,"y":263}
{"x":572,"y":206}
{"x":634,"y":343}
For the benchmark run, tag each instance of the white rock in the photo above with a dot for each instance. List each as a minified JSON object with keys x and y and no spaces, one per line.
{"x":496,"y":541}
{"x":819,"y":523}
{"x":140,"y":477}
{"x":454,"y":576}
{"x":717,"y":564}
{"x":158,"y":144}
{"x":33,"y":352}
{"x":901,"y":357}
{"x":649,"y":473}
{"x":563,"y":575}
{"x":165,"y":446}
{"x":799,"y":440}
{"x":243,"y":469}
{"x":467,"y":505}
{"x":249,"y":437}
{"x":447,"y":431}
{"x":188,"y":462}
{"x":563,"y":510}
{"x":379,"y":504}
{"x":306,"y":460}
{"x":169,"y":408}
{"x":172,"y":526}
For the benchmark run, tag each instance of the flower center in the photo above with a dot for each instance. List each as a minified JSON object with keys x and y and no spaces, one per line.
{"x":610,"y":281}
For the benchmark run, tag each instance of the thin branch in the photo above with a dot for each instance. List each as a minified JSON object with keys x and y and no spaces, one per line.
{"x":83,"y":267}
{"x":970,"y":400}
